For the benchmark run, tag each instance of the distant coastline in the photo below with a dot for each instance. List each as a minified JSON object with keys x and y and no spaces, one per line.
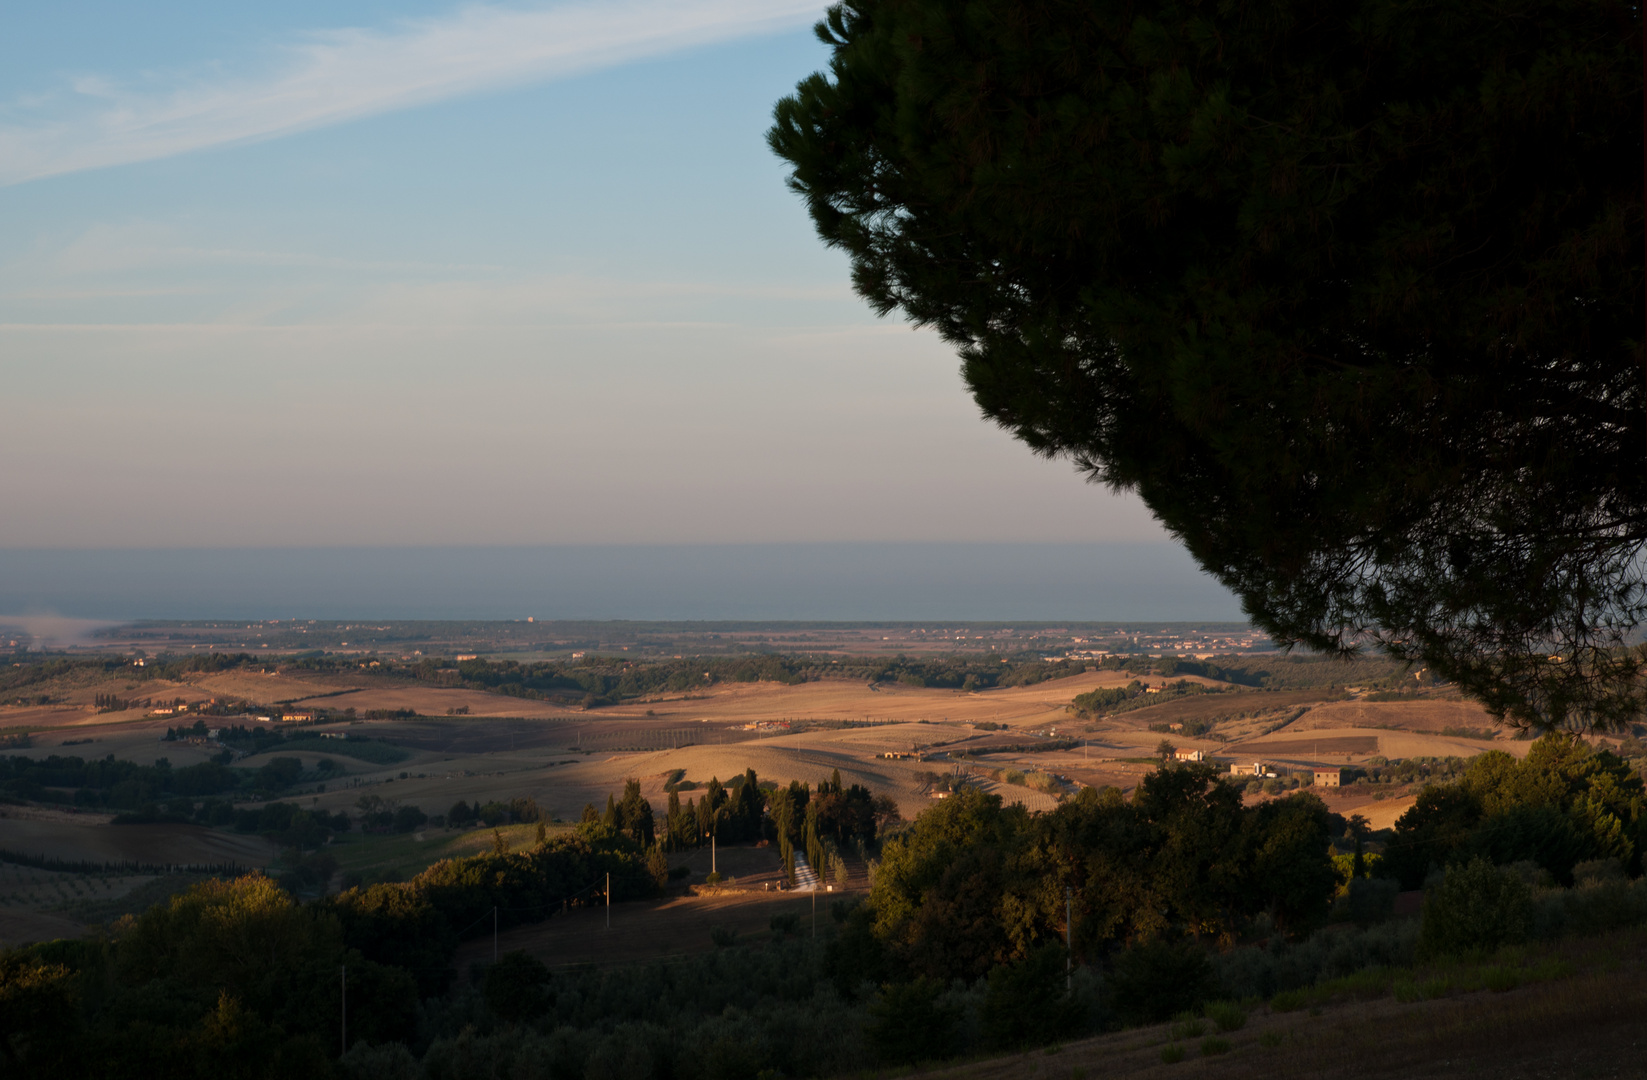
{"x":1138,"y":582}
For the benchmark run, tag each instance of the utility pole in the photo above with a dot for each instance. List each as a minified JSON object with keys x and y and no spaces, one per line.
{"x":609,"y":900}
{"x":712,"y":869}
{"x":345,"y":996}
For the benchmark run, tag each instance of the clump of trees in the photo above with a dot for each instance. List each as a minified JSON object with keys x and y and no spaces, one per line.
{"x":1563,"y":804}
{"x":107,"y":782}
{"x":973,"y":883}
{"x":1106,"y":700}
{"x":1182,"y":892}
{"x":519,"y":810}
{"x":238,"y":978}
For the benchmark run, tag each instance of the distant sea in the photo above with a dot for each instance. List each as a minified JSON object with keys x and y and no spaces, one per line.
{"x":835,"y":582}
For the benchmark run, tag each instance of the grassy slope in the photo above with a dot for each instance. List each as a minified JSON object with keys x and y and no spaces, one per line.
{"x":1567,"y":1009}
{"x":405,"y":854}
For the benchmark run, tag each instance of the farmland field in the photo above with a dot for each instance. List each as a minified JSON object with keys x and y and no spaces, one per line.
{"x":442,"y":745}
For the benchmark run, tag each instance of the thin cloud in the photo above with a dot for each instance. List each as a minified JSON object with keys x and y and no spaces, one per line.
{"x":338,"y":75}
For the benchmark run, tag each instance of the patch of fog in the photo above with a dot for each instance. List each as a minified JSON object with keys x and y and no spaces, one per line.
{"x":43,"y":630}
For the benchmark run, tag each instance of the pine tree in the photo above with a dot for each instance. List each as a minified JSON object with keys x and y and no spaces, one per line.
{"x":1350,"y":295}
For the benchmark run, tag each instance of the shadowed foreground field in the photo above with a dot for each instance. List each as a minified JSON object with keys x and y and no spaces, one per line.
{"x":1587,"y":1024}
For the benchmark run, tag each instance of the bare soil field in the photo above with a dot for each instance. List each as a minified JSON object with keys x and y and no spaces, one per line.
{"x":851,"y":699}
{"x":1335,"y":745}
{"x":1430,"y":716}
{"x":20,"y":927}
{"x":1327,"y":745}
{"x":273,"y":687}
{"x":1227,"y":707}
{"x":434,"y":701}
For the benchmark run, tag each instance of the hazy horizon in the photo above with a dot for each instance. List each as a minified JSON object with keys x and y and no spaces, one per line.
{"x":824,"y":582}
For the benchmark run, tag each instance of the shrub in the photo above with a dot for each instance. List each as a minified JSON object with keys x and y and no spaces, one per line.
{"x":1172,"y":1053}
{"x":908,"y":1022}
{"x":1438,"y":987}
{"x":1212,"y":1045}
{"x":723,"y":936}
{"x":1153,"y":981}
{"x":1186,"y":1025}
{"x":1325,"y":955}
{"x":1270,"y":1039}
{"x":1475,"y":907}
{"x":1367,"y":901}
{"x":1227,"y":1015}
{"x":386,"y":1061}
{"x":786,"y":924}
{"x":516,"y":987}
{"x":1601,"y":900}
{"x":1026,"y":1004}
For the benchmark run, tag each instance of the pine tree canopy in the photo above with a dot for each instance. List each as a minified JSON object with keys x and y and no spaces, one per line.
{"x":1350,"y":294}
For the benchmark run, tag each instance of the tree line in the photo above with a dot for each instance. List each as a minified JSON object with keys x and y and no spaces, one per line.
{"x":110,"y":783}
{"x":1169,"y":899}
{"x":238,"y":978}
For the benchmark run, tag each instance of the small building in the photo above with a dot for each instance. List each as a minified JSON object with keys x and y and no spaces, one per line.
{"x":298,"y":718}
{"x":1190,"y":755}
{"x":1257,"y":768}
{"x":1334,"y":777}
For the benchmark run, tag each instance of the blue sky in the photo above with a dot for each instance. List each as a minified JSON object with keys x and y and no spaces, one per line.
{"x":309,"y":274}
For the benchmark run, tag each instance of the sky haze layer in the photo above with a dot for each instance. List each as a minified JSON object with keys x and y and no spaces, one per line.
{"x":424,"y":274}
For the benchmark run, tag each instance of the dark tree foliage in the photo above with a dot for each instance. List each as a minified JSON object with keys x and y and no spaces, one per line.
{"x":974,"y":884}
{"x":516,"y":987}
{"x":1350,"y":294}
{"x":634,"y":815}
{"x":1157,"y":979}
{"x":1563,"y":804}
{"x":122,"y":785}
